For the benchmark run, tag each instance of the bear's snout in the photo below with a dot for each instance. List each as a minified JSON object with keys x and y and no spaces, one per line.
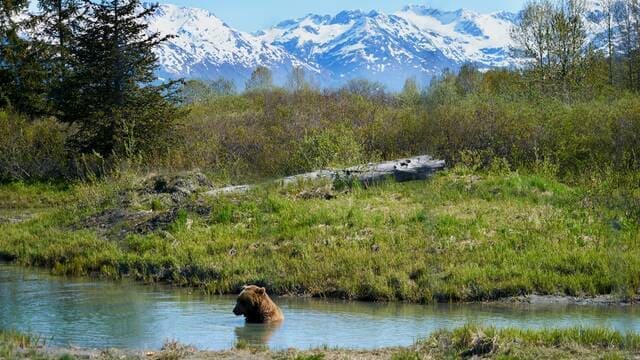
{"x":237,"y":311}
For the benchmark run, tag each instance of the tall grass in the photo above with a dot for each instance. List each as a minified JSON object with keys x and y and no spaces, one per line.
{"x":16,"y":345}
{"x":490,"y":342}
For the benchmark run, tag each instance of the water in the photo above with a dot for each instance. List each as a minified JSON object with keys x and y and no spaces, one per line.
{"x":99,"y":314}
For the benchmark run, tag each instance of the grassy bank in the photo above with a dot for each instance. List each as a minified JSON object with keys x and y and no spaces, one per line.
{"x":463,"y":236}
{"x":465,"y":342}
{"x":18,"y":345}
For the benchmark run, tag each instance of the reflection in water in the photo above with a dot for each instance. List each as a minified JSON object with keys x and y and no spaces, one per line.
{"x":97,"y":314}
{"x":256,"y":334}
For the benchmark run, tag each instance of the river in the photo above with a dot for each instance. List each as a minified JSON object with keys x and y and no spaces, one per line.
{"x":90,"y":313}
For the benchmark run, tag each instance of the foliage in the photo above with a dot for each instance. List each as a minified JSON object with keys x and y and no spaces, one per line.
{"x":57,"y":26}
{"x":22,"y":73}
{"x":492,"y":115}
{"x":553,"y":35}
{"x":91,"y":65}
{"x":196,"y":91}
{"x":33,"y":150}
{"x":261,"y":79}
{"x":120,"y":110}
{"x":297,"y":80}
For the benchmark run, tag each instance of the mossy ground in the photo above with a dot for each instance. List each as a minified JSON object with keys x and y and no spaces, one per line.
{"x":462,"y":236}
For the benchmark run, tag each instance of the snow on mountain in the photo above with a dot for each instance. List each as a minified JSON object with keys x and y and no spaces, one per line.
{"x":414,"y":42}
{"x":465,"y":36}
{"x":205,"y":47}
{"x":417,"y":41}
{"x":352,"y":44}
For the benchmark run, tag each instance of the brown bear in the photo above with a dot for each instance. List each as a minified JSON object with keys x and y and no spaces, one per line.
{"x":256,"y":306}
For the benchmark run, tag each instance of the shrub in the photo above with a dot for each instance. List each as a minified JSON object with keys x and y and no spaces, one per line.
{"x":32,"y":150}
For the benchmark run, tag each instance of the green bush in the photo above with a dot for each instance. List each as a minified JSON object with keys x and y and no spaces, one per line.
{"x":32,"y":150}
{"x":322,"y":149}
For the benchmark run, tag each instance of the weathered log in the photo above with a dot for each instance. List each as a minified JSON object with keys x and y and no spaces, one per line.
{"x":415,"y":168}
{"x":409,"y":169}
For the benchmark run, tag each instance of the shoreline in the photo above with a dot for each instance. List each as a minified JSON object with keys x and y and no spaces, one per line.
{"x":529,"y":299}
{"x":186,"y":352}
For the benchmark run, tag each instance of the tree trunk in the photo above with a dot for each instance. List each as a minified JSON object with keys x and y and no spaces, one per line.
{"x":409,"y":169}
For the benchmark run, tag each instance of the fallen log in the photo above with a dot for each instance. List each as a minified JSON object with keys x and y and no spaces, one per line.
{"x":409,"y":169}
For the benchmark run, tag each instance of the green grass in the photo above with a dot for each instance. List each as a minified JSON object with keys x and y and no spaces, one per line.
{"x":513,"y":343}
{"x":15,"y":345}
{"x":464,"y":236}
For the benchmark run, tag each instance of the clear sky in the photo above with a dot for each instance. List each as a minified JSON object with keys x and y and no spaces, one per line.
{"x":251,"y":15}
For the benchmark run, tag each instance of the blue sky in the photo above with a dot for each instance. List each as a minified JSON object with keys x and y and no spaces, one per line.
{"x":251,"y":15}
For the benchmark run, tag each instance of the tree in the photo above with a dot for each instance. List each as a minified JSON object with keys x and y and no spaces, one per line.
{"x":261,"y":79}
{"x":193,"y":91}
{"x":57,"y":25}
{"x":554,"y":36}
{"x":468,"y":79}
{"x":532,"y":33}
{"x":222,"y":87}
{"x":297,"y":80}
{"x":9,"y":9}
{"x":58,"y":22}
{"x":568,"y":38}
{"x":608,"y":6}
{"x":624,"y":20}
{"x":365,"y":88}
{"x":119,"y":109}
{"x":634,"y":7}
{"x":22,"y":75}
{"x":410,"y":95}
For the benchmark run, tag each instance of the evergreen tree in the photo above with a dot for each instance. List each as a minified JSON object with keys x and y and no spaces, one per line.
{"x":22,"y":75}
{"x":58,"y":22}
{"x":120,"y":109}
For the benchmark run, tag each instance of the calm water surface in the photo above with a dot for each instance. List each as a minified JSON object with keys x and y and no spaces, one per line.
{"x":98,"y":314}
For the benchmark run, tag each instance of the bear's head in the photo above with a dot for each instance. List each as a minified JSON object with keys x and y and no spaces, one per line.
{"x":249,"y":300}
{"x":256,"y":306}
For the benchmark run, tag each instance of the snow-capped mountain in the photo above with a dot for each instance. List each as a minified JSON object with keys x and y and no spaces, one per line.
{"x":353,"y":44}
{"x":416,"y":41}
{"x":465,"y":36}
{"x":205,"y":47}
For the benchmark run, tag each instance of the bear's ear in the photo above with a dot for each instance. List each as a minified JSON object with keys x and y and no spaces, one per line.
{"x":261,"y":290}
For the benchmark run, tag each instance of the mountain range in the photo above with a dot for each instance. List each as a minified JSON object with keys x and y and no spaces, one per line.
{"x":416,"y":41}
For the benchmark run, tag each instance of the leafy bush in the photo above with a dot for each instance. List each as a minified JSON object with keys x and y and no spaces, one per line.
{"x":31,"y":150}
